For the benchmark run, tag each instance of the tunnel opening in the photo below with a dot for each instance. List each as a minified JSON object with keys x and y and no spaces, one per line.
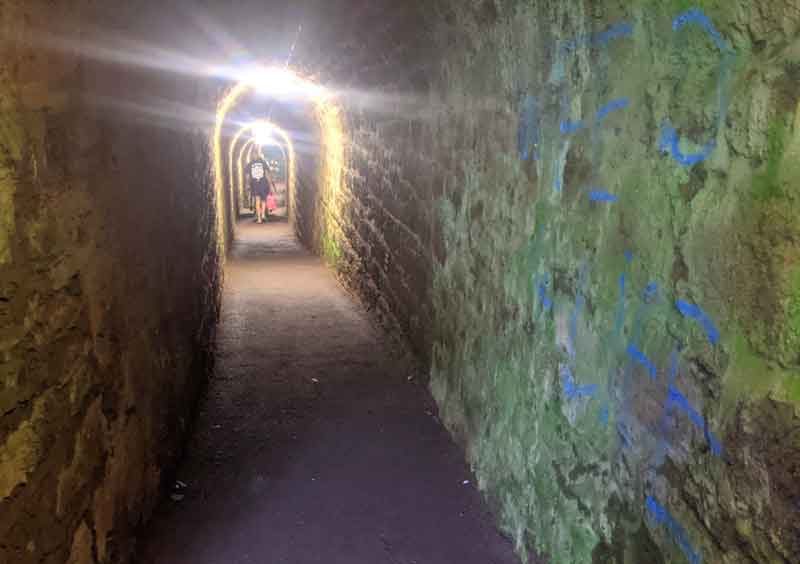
{"x":308,"y":131}
{"x":276,"y":149}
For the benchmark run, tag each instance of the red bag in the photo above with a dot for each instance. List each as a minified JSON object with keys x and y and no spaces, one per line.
{"x":271,"y":205}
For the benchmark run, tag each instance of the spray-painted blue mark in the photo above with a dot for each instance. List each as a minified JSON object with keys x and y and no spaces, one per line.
{"x":642,"y":359}
{"x":696,"y":16}
{"x":543,"y":299}
{"x":676,"y":398}
{"x":663,"y":517}
{"x":629,"y":257}
{"x":528,"y":131}
{"x":601,"y":196}
{"x":613,"y":106}
{"x":568,"y":126}
{"x":693,"y":311}
{"x":622,"y":29}
{"x":571,"y":389}
{"x":650,"y":292}
{"x":616,"y":31}
{"x":669,"y":140}
{"x":713,"y":443}
{"x":661,"y":451}
{"x":670,"y":143}
{"x":603,"y":416}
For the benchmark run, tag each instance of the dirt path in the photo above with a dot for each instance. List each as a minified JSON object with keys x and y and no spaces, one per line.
{"x":313,"y":446}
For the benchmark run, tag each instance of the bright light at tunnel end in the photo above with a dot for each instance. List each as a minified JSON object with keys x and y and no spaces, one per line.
{"x":282,"y":82}
{"x":262,"y":133}
{"x":278,"y":82}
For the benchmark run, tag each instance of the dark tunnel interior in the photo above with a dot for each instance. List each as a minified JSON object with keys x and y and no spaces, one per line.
{"x":527,"y":288}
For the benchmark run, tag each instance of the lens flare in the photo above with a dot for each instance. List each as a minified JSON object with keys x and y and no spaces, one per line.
{"x":262,"y":134}
{"x":282,"y":83}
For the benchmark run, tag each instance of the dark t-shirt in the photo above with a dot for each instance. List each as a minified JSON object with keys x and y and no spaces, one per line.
{"x":259,"y":183}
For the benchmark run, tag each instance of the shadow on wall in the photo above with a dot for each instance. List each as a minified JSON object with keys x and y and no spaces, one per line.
{"x":109,"y":280}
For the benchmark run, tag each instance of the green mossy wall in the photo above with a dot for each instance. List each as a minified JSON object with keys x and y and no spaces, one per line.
{"x":655,"y":419}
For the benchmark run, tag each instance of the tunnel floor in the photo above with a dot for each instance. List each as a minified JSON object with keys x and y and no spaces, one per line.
{"x":313,"y":445}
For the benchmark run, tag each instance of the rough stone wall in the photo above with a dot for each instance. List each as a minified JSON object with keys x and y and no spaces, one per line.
{"x":108,"y":293}
{"x":614,"y":270}
{"x":389,"y":224}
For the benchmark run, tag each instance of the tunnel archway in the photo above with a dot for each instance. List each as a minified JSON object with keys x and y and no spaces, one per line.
{"x":238,"y":155}
{"x":327,"y":145}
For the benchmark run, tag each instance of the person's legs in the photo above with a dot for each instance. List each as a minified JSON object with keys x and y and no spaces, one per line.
{"x":259,"y":209}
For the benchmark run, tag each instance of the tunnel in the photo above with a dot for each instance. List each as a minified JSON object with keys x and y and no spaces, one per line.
{"x":529,"y":293}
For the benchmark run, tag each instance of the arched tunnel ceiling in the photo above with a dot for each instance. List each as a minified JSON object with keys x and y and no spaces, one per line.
{"x":293,"y":116}
{"x":347,"y":41}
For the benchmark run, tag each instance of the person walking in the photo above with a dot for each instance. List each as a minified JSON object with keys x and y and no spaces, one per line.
{"x":260,"y":186}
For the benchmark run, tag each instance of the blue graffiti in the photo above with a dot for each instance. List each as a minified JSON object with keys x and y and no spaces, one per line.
{"x":629,"y":256}
{"x":661,"y":451}
{"x":696,"y":16}
{"x":616,"y":31}
{"x":650,"y":292}
{"x":601,"y":196}
{"x":568,"y":127}
{"x":670,"y":141}
{"x":676,"y":398}
{"x":664,"y":518}
{"x":642,"y":359}
{"x":528,"y":131}
{"x":694,"y":312}
{"x":571,"y":389}
{"x":543,"y":299}
{"x":613,"y":106}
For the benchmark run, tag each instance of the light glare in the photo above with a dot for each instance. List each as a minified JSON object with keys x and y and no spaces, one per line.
{"x":281,"y":82}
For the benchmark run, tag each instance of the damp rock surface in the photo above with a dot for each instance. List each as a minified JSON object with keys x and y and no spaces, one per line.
{"x":105,"y":309}
{"x":589,"y":225}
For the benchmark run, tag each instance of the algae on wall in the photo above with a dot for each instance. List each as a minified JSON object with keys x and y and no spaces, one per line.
{"x":617,"y":318}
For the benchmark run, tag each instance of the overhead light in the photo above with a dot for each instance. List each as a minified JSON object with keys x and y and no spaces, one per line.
{"x":282,"y":82}
{"x":262,"y":133}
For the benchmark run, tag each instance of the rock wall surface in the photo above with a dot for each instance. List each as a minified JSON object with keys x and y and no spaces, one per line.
{"x":108,"y":287}
{"x":595,"y":213}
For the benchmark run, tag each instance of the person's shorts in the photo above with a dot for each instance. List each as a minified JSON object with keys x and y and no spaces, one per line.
{"x":262,"y":194}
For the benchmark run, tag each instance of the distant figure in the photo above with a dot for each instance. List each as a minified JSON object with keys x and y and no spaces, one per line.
{"x":260,"y":186}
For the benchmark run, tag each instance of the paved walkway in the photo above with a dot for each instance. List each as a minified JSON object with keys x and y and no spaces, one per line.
{"x":313,"y":446}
